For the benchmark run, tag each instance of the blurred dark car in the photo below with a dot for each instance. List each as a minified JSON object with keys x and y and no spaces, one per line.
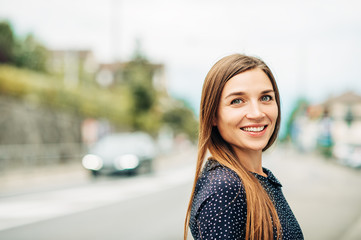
{"x":123,"y":152}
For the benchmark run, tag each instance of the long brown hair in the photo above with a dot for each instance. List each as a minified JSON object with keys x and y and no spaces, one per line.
{"x":262,"y":218}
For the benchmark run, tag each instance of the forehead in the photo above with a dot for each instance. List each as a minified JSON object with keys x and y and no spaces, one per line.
{"x":251,"y":81}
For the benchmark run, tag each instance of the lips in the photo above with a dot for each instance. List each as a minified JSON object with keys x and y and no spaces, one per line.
{"x":254,"y":128}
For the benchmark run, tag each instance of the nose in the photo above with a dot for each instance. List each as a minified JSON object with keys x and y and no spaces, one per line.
{"x":255,"y":111}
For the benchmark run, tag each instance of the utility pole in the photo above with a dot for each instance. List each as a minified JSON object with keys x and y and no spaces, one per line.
{"x":114,"y":30}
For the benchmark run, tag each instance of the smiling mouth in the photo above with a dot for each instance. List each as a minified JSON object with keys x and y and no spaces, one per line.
{"x":254,"y":129}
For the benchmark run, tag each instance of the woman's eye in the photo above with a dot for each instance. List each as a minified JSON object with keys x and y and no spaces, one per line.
{"x":266,"y":98}
{"x":237,"y":101}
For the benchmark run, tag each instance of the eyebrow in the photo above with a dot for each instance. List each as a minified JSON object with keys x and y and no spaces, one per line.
{"x":243,"y":93}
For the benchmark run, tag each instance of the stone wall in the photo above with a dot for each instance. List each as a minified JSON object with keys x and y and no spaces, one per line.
{"x":36,"y":135}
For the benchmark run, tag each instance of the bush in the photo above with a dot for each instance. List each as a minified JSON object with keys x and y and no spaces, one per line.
{"x":49,"y":91}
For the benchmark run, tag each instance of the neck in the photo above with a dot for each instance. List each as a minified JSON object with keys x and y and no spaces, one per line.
{"x":251,"y":160}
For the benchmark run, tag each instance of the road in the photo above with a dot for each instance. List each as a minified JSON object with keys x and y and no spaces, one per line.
{"x":324,"y":196}
{"x":150,"y":206}
{"x":150,"y":212}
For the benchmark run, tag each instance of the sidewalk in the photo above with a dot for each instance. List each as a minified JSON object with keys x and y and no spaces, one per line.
{"x":57,"y":176}
{"x":45,"y":177}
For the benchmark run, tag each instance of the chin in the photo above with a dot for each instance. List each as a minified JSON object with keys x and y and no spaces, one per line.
{"x":255,"y":147}
{"x":252,"y":148}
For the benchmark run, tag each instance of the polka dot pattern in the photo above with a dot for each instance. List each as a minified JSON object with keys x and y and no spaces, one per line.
{"x":219,"y":208}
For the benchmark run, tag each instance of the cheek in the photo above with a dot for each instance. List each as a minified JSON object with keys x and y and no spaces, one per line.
{"x":228,"y":117}
{"x":273,"y":115}
{"x":276,"y":112}
{"x":272,"y":112}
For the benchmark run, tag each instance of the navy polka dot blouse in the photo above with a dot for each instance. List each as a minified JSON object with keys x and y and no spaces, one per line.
{"x":219,"y":208}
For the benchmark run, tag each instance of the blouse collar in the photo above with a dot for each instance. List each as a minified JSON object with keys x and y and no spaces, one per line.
{"x":211,"y":163}
{"x":270,"y":177}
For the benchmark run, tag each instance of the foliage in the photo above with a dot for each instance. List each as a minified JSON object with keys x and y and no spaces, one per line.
{"x":30,"y":54}
{"x":299,"y":108}
{"x":137,"y":79}
{"x":181,"y":119}
{"x":47,"y":90}
{"x":24,"y":53}
{"x":119,"y":105}
{"x":132,"y":102}
{"x":7,"y":43}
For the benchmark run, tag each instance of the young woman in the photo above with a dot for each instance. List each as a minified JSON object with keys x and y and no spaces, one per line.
{"x":233,"y":196}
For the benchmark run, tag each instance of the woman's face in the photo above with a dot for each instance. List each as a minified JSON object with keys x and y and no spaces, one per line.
{"x":247,"y":111}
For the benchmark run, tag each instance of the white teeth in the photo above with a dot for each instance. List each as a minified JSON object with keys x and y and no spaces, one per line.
{"x":253,"y":129}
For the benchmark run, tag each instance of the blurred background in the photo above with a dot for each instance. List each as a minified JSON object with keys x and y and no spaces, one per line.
{"x":99,"y":106}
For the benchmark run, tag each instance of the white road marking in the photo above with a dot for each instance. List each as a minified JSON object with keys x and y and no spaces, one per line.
{"x":25,"y":209}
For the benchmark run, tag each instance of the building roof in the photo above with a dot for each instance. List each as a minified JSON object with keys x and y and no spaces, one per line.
{"x":345,"y":98}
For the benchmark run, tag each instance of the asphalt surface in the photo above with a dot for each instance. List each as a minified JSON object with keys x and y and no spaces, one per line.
{"x":324,"y":196}
{"x":155,"y":214}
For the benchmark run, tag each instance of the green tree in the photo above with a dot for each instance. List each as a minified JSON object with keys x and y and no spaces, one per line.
{"x":24,"y":53}
{"x":137,"y":77}
{"x":30,"y":54}
{"x":299,"y":108}
{"x":143,"y":98}
{"x":182,"y":120}
{"x":7,"y":43}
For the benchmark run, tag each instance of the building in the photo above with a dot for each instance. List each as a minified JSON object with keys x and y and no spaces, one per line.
{"x":80,"y":67}
{"x":76,"y":67}
{"x":334,"y":126}
{"x":113,"y":73}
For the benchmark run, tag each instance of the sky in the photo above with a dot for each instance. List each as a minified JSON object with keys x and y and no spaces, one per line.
{"x":312,"y":47}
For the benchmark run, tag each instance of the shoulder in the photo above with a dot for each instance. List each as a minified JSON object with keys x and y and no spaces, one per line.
{"x":217,"y":184}
{"x":216,"y":178}
{"x":219,"y":206}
